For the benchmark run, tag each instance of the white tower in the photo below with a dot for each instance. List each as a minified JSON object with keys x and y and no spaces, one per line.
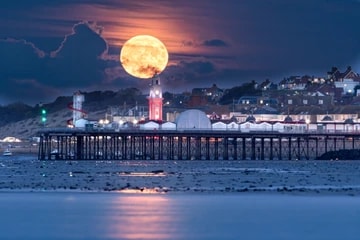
{"x":155,"y":99}
{"x":78,"y":113}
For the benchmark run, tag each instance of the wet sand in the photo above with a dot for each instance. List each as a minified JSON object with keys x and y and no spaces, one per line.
{"x":25,"y":173}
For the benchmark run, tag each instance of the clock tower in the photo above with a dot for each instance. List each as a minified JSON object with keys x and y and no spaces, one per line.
{"x":155,"y":99}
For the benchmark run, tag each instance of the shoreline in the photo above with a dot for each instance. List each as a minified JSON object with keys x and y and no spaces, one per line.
{"x":290,"y":192}
{"x":20,"y":148}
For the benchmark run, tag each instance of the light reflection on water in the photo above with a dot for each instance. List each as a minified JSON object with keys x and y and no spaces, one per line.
{"x":142,"y":174}
{"x":142,"y":217}
{"x":72,"y":215}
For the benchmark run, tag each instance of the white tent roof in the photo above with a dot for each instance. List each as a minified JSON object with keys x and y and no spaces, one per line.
{"x":149,"y":125}
{"x":168,"y":125}
{"x":219,"y":126}
{"x":193,"y":119}
{"x":10,"y":139}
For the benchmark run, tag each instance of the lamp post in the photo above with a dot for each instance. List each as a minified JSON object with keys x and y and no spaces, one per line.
{"x":307,"y":124}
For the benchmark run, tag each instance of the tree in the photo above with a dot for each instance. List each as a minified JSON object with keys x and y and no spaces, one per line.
{"x":248,"y":89}
{"x":356,"y":88}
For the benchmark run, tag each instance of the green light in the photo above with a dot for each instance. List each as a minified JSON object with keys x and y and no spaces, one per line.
{"x":43,"y":115}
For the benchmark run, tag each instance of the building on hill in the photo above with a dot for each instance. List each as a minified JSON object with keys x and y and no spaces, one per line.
{"x":248,"y":100}
{"x":267,"y":85}
{"x":294,"y":83}
{"x":204,"y":96}
{"x":346,"y":81}
{"x":334,"y":75}
{"x":309,"y":99}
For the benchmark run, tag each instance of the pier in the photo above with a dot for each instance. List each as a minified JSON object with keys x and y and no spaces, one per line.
{"x":67,"y":144}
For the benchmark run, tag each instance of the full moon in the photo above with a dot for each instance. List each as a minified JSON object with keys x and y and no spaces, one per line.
{"x":144,"y":56}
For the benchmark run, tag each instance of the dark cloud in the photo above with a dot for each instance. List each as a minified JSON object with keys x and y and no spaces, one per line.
{"x":205,"y":73}
{"x":214,"y":43}
{"x":77,"y":63}
{"x":187,"y":43}
{"x":205,"y":43}
{"x":189,"y":74}
{"x":197,"y":67}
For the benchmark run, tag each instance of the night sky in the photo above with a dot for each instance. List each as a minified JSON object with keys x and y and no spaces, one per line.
{"x":53,"y":48}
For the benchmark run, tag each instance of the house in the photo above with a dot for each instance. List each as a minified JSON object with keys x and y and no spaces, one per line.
{"x":347,"y":80}
{"x":336,"y":76}
{"x":347,"y":85}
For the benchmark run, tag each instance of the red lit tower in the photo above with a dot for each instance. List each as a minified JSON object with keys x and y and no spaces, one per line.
{"x":155,"y":99}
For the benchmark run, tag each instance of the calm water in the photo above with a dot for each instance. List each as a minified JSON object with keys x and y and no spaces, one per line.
{"x":55,"y":215}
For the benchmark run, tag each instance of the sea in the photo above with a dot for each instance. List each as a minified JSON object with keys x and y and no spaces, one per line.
{"x":90,"y":215}
{"x":86,"y":215}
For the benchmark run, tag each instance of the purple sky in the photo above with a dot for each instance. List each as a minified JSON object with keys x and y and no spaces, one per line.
{"x":53,"y":48}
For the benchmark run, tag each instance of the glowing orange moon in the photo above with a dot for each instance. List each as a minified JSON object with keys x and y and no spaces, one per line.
{"x":144,"y":56}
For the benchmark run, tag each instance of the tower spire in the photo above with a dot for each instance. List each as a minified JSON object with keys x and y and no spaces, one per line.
{"x":155,"y":99}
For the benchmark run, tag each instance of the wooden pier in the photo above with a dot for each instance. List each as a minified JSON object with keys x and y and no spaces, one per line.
{"x":66,"y":144}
